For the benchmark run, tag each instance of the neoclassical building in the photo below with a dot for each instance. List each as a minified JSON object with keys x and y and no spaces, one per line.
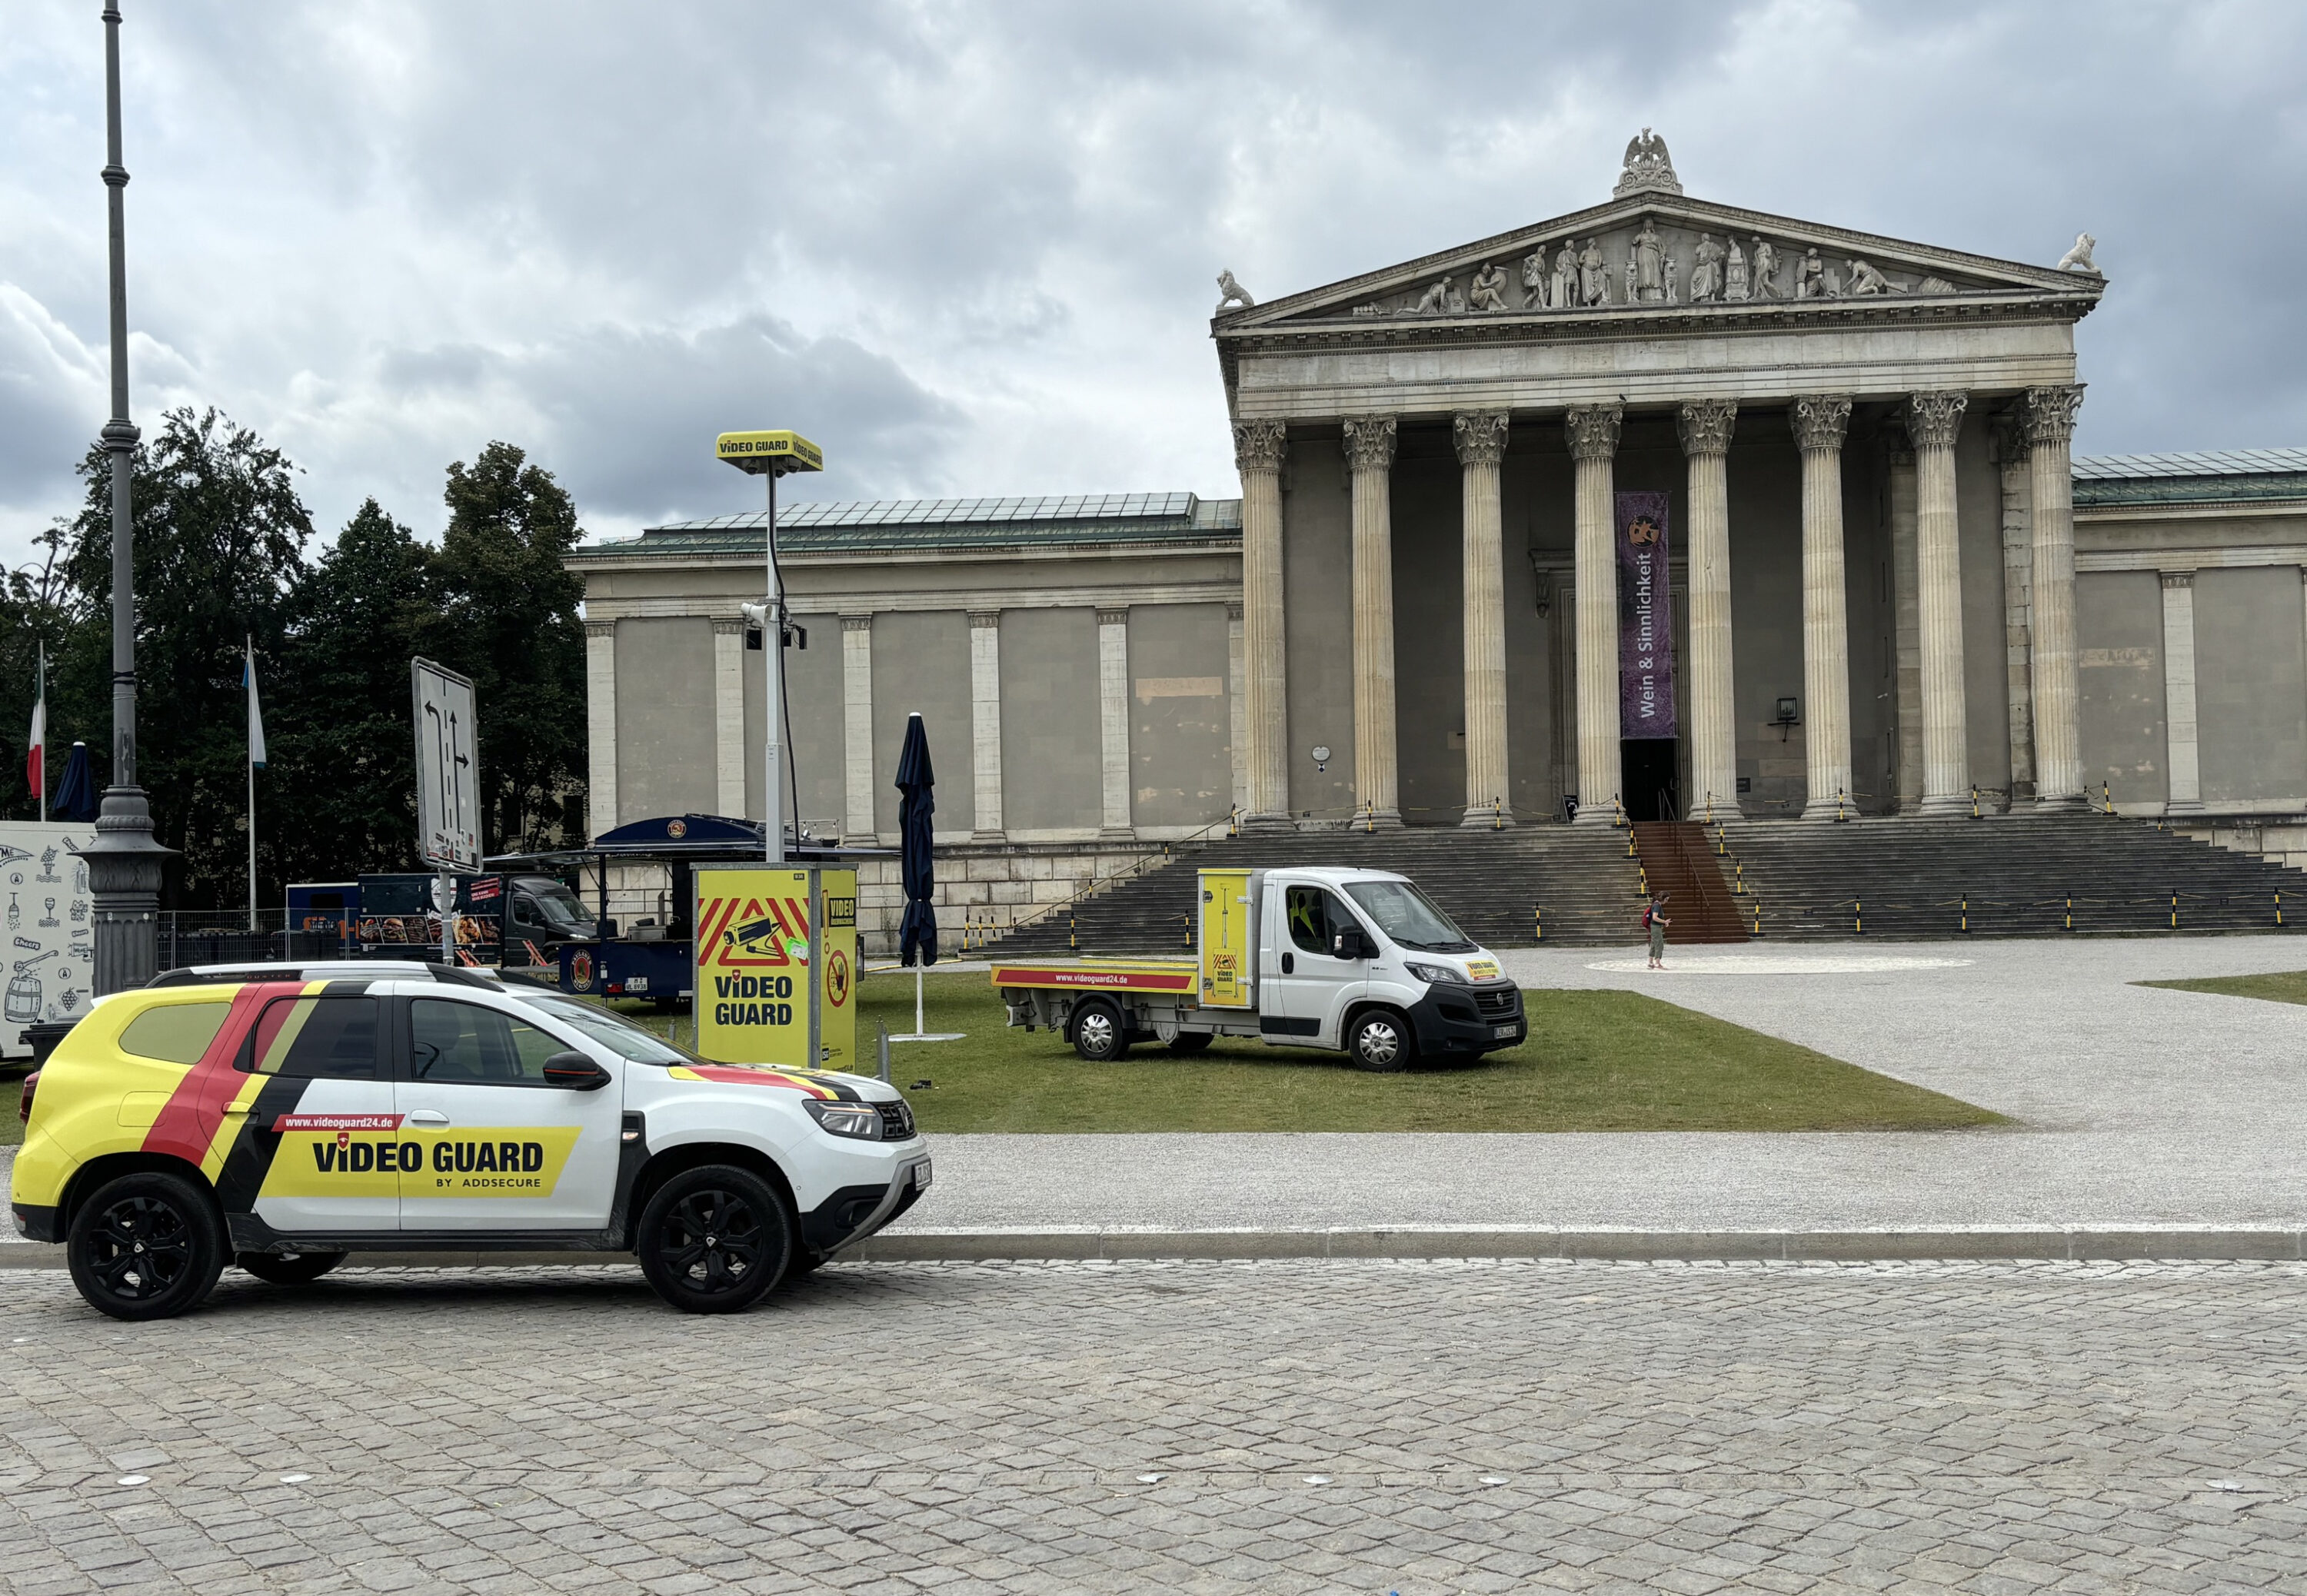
{"x":1665,"y":507}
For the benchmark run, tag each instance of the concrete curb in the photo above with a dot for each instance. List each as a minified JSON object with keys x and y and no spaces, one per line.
{"x":2062,"y":1243}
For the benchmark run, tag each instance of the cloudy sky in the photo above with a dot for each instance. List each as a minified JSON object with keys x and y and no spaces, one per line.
{"x":970,"y":248}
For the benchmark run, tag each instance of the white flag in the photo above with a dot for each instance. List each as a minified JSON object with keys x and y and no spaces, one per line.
{"x":255,"y":717}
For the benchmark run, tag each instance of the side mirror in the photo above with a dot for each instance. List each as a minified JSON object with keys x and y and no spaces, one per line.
{"x":1353,"y":943}
{"x":575,"y":1072}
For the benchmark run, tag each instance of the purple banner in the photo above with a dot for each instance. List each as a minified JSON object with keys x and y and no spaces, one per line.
{"x":1645,"y":619}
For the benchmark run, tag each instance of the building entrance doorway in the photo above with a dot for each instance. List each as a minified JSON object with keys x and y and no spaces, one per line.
{"x":1650,"y":785}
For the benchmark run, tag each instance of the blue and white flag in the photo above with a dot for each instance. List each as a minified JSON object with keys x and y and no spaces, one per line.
{"x":255,"y":716}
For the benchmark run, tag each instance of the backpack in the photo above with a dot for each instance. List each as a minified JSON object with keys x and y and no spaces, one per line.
{"x":1647,"y":912}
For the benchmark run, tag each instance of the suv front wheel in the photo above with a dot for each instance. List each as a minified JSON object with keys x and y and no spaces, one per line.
{"x":714,"y":1239}
{"x":147,"y":1245}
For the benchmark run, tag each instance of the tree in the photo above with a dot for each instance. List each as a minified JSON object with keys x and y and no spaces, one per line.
{"x":336,"y":707}
{"x":508,"y":618}
{"x":220,"y":543}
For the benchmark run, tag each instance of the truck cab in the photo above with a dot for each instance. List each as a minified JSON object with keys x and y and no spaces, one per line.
{"x":1357,"y":961}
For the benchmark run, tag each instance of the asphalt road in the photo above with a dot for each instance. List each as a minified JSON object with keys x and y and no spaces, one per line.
{"x":1420,"y":1428}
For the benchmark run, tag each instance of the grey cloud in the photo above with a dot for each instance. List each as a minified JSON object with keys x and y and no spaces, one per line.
{"x":971,"y":244}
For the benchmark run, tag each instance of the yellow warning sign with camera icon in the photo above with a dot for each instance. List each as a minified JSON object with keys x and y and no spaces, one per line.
{"x":758,"y":965}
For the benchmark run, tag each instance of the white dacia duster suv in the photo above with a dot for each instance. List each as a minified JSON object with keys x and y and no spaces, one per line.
{"x":283,"y":1116}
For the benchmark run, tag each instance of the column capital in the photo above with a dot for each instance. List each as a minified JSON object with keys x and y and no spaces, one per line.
{"x":984,"y":621}
{"x":1706,"y":426}
{"x":1821,"y":421}
{"x":1933,"y":419}
{"x":1258,"y":445}
{"x":1113,"y":617}
{"x":600,"y":628}
{"x":729,"y":625}
{"x":856,"y":623}
{"x":2007,"y":443}
{"x":1369,"y":442}
{"x":2051,"y":413}
{"x":1481,"y":436}
{"x":2177,"y":578}
{"x":1593,"y":431}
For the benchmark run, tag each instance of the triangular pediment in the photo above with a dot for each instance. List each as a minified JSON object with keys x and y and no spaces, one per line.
{"x":1663,"y":252}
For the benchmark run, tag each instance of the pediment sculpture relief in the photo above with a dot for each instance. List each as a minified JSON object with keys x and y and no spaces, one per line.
{"x":1655,"y":264}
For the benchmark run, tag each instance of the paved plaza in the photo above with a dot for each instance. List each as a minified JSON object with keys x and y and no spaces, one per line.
{"x":2134,"y":1106}
{"x":1365,"y":1427}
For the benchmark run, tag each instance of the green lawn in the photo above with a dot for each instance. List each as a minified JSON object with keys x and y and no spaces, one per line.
{"x":2289,"y":986}
{"x":1598,"y":1061}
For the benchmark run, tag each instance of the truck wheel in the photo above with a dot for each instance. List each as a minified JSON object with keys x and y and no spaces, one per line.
{"x":295,"y":1268}
{"x":1379,"y":1041}
{"x":149,"y":1245}
{"x":1101,"y":1035}
{"x":1190,"y":1041}
{"x":714,"y":1239}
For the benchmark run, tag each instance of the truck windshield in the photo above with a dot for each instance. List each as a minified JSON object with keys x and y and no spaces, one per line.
{"x":613,"y":1031}
{"x":1408,"y":917}
{"x":560,"y":909}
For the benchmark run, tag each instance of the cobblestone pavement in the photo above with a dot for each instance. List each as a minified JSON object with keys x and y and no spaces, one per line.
{"x":1366,"y":1427}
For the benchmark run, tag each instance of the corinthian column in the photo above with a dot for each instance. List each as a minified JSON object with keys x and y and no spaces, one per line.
{"x":1706,"y":428}
{"x":1481,"y":439}
{"x":1377,"y":780}
{"x":2008,"y":438}
{"x":1933,"y":419}
{"x":1594,"y":433}
{"x":2058,"y":745}
{"x":1820,"y":422}
{"x":1257,"y":447}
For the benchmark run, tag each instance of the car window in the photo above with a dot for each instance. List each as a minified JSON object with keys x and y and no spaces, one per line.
{"x":175,"y":1033}
{"x":459,"y":1042}
{"x":1315,"y":916}
{"x":320,"y":1038}
{"x":620,"y":1034}
{"x":1408,"y":916}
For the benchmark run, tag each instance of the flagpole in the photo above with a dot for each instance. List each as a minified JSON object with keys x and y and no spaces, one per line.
{"x":249,"y":667}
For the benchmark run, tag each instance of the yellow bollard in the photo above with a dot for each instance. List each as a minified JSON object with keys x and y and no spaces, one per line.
{"x":1073,"y":929}
{"x":2175,"y":909}
{"x":1758,"y":916}
{"x":2071,"y":911}
{"x":1738,"y":887}
{"x":1857,"y":917}
{"x":2278,"y":906}
{"x":1973,"y":800}
{"x":1966,"y":914}
{"x":1538,"y":920}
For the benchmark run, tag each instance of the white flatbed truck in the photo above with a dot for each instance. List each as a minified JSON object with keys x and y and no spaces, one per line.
{"x":1353,"y":961}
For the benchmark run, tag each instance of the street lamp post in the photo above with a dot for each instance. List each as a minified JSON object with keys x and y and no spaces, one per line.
{"x":771,"y":455}
{"x":124,"y":862}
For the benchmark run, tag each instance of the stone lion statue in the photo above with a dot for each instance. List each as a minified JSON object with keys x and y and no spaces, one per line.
{"x":1231,"y":296}
{"x":2079,"y":258}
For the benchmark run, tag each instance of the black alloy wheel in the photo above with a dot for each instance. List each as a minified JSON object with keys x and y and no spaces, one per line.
{"x":1101,"y":1035}
{"x":1380,"y":1042}
{"x":714,"y":1239}
{"x":147,"y":1245}
{"x":289,"y":1269}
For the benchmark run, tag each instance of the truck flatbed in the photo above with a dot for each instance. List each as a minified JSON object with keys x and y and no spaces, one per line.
{"x":1101,"y":975}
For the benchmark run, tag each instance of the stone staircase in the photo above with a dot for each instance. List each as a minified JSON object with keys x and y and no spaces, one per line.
{"x":1679,"y":861}
{"x":1503,"y":888}
{"x":2004,"y":875}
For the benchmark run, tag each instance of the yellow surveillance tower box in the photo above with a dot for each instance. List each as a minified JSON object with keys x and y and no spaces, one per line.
{"x":761,"y":453}
{"x":1228,"y":945}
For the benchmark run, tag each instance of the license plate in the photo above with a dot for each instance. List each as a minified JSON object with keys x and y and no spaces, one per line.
{"x":921,"y":1176}
{"x":637,"y":983}
{"x":1501,"y":1033}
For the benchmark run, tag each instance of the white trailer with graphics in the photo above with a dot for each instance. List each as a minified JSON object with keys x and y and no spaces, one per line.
{"x":1354,"y":962}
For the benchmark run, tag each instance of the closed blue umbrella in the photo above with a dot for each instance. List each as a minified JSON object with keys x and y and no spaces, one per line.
{"x":917,"y":936}
{"x":75,"y":798}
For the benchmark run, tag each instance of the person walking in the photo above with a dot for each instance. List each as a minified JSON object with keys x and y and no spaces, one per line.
{"x":1655,"y":922}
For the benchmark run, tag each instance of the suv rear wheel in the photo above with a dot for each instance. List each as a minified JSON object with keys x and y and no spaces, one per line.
{"x":147,"y":1245}
{"x":1379,"y":1040}
{"x":715,"y":1239}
